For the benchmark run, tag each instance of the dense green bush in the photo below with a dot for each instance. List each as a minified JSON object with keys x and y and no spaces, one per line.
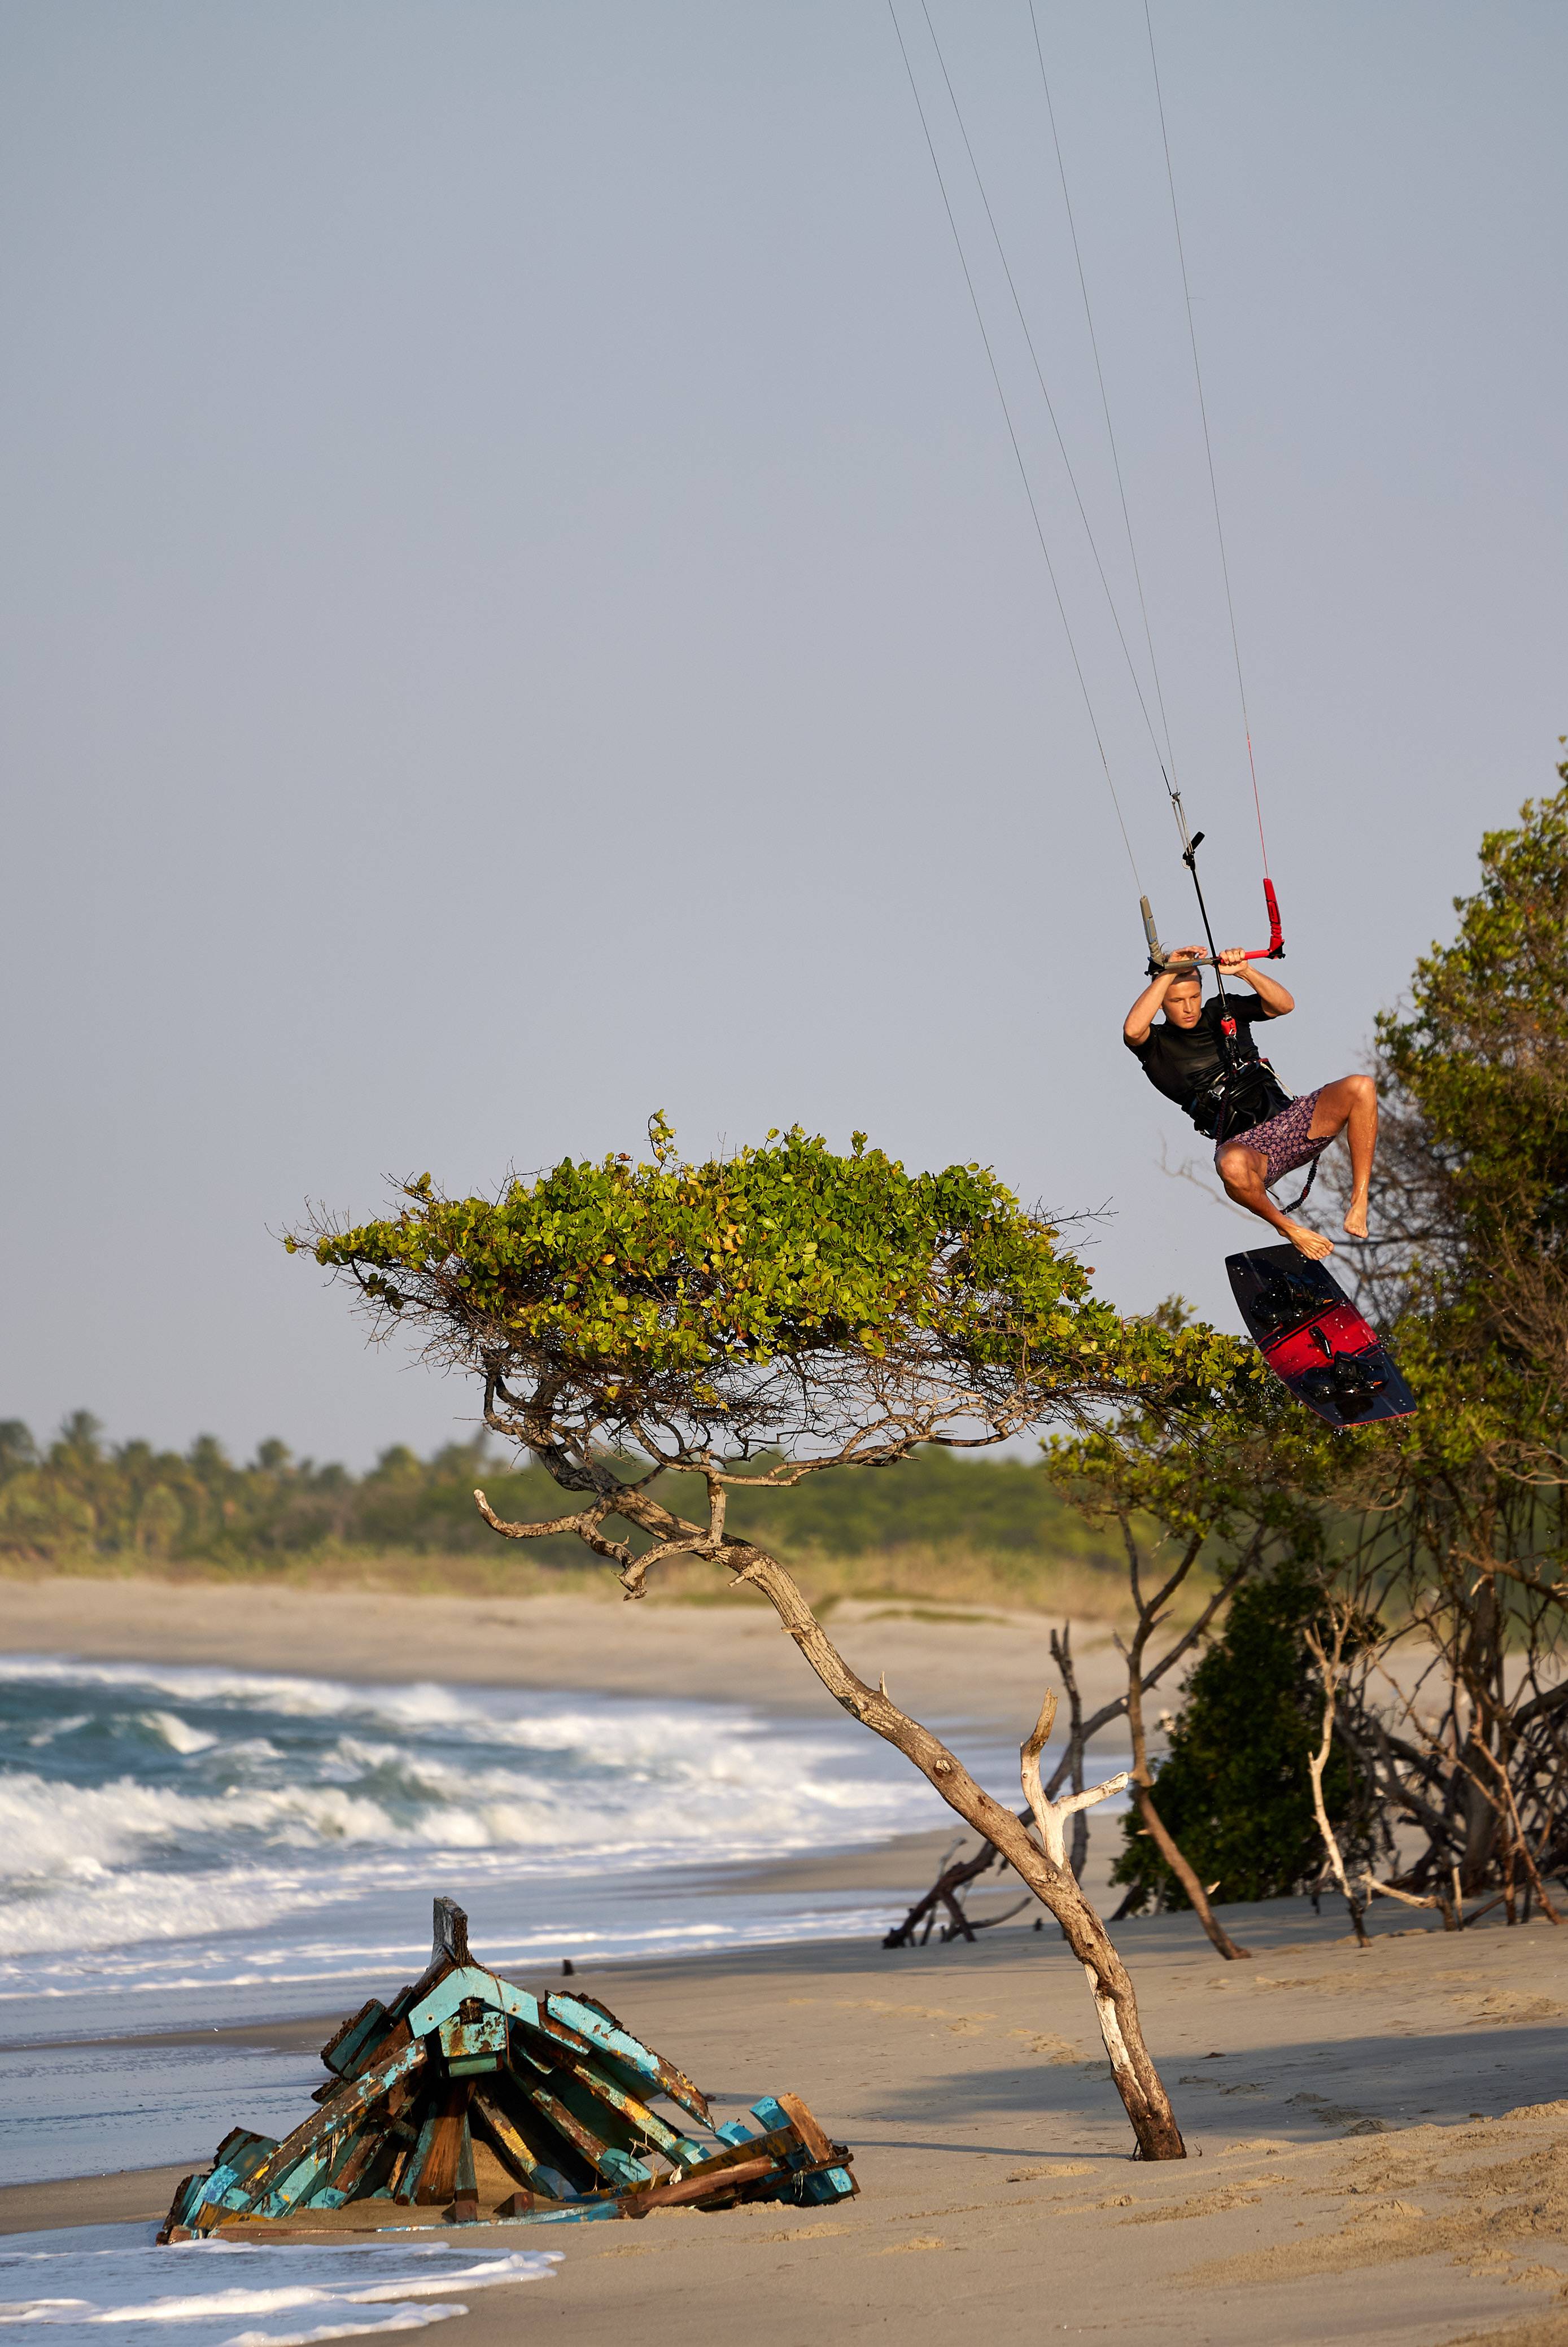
{"x":1234,"y":1788}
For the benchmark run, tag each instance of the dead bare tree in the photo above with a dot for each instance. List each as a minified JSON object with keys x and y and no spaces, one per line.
{"x":1061,"y":1655}
{"x":1431,"y":1769}
{"x":1153,"y":1609}
{"x":957,"y":1875}
{"x":1326,"y":1645}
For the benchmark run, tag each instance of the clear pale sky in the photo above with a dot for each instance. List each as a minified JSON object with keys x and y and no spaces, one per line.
{"x":519,"y":608}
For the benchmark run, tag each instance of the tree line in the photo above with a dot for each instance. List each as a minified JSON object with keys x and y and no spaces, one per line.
{"x":77,"y":1499}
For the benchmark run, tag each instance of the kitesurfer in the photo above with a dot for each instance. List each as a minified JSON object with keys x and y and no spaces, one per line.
{"x":1233,"y":1097}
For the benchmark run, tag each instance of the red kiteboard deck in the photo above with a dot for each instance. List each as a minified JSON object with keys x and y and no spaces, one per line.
{"x":1314,"y":1340}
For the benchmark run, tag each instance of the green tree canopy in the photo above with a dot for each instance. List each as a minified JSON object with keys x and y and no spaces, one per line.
{"x":1482,"y":1056}
{"x":830,"y":1305}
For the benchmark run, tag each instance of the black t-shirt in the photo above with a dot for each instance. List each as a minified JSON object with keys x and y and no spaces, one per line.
{"x":1180,"y":1060}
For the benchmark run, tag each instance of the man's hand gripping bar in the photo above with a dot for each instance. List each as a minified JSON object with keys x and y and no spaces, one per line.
{"x":1160,"y":961}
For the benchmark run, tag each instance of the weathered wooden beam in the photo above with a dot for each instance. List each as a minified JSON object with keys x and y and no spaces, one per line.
{"x":358,"y":2041}
{"x":566,"y":2123}
{"x":465,"y":2189}
{"x":448,"y":2127}
{"x":449,"y":1934}
{"x":645,"y":2125}
{"x":289,"y":2170}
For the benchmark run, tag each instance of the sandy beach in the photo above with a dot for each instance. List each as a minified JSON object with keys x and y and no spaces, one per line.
{"x":978,"y":1666}
{"x":1379,"y":2149}
{"x":1376,"y":2152}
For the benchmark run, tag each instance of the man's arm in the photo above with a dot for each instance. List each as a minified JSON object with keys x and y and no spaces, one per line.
{"x":1141,"y":1018}
{"x":1275,"y":1001}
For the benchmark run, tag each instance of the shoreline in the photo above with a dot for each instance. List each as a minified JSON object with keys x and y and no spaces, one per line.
{"x":974,"y":1668}
{"x":981,"y":1674}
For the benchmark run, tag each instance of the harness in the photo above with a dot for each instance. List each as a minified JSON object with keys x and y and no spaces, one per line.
{"x":1246,"y":1092}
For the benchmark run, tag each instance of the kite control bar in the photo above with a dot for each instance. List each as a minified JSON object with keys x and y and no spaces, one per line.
{"x":1160,"y":960}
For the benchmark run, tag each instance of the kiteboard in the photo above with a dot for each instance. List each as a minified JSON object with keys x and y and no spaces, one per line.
{"x":1314,"y":1340}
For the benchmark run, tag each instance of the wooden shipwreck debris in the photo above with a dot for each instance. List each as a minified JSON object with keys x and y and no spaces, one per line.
{"x":469,"y":2101}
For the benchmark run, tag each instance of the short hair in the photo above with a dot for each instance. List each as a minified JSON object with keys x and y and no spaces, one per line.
{"x":1182,"y":977}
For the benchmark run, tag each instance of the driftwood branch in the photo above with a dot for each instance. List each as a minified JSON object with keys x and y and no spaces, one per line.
{"x":1050,"y":1816}
{"x":1406,"y":1898}
{"x":1330,"y":1660}
{"x":1149,"y":1612}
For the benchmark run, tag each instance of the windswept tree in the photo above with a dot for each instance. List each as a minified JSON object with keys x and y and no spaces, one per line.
{"x":760,"y":1319}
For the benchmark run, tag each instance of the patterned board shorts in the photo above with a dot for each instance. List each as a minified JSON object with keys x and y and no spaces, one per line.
{"x":1284,"y":1140}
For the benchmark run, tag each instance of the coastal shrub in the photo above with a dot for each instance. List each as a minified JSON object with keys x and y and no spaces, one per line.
{"x":1234,"y":1788}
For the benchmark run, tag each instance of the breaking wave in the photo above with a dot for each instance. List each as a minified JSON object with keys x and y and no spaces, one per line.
{"x":165,"y":1824}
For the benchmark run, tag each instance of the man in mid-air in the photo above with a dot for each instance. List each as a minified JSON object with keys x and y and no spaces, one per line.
{"x":1258,"y":1141}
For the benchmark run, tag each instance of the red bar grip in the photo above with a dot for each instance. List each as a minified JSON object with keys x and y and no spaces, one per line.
{"x":1274,"y":948}
{"x":1272,"y":951}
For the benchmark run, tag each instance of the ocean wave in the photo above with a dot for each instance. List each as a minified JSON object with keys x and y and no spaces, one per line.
{"x":391,"y":1796}
{"x":222,"y":1826}
{"x":242,"y":1798}
{"x":178,"y":1733}
{"x":48,"y":1829}
{"x":644,"y":1729}
{"x":118,"y":1911}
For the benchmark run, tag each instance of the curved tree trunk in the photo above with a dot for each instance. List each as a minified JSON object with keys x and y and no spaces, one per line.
{"x":1051,"y":1878}
{"x":1138,"y":2082}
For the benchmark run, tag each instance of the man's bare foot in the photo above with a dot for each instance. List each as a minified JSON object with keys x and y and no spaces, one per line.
{"x":1311,"y":1244}
{"x":1356,"y":1218}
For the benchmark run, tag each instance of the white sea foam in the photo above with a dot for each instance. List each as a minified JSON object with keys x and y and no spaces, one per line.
{"x":178,"y":1733}
{"x":229,"y":1832}
{"x":77,"y":2284}
{"x":200,"y":1834}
